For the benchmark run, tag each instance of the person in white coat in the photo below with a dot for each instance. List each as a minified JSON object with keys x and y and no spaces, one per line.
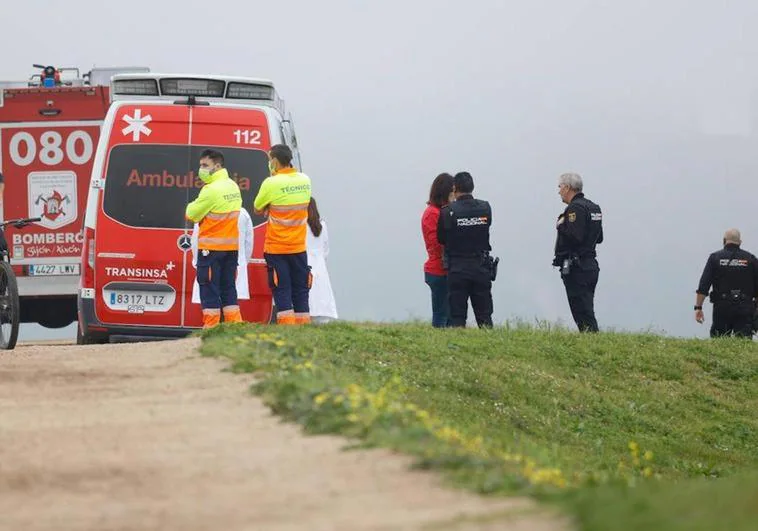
{"x":245,"y":225}
{"x":321,"y":299}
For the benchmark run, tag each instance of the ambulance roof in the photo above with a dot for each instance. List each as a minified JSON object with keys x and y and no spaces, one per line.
{"x":207,"y":87}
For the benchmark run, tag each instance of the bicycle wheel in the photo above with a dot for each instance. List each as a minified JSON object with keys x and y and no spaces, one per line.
{"x":9,"y":307}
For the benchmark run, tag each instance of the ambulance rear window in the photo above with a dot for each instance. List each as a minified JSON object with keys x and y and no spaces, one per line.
{"x":149,"y":186}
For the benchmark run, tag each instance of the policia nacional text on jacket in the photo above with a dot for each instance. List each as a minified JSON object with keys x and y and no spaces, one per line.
{"x":579,"y":228}
{"x":464,"y":231}
{"x":733,"y":273}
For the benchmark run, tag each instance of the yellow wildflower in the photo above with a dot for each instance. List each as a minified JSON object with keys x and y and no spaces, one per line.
{"x":648,"y":456}
{"x":546,"y":475}
{"x":448,"y":434}
{"x":511,"y":458}
{"x":475,"y":443}
{"x":321,"y":398}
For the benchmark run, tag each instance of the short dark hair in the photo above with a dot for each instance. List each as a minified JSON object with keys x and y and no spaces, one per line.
{"x":439,"y":193}
{"x":282,"y":153}
{"x":215,"y":156}
{"x":464,"y":183}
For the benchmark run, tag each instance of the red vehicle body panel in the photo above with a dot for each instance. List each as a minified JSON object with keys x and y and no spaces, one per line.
{"x":48,"y":138}
{"x":143,"y":276}
{"x":46,"y":162}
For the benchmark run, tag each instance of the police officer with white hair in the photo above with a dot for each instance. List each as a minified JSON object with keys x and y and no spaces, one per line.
{"x":733,"y":274}
{"x":580,"y":229}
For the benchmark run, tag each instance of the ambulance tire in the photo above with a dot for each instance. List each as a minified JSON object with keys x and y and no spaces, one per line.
{"x":88,"y":339}
{"x":80,"y":338}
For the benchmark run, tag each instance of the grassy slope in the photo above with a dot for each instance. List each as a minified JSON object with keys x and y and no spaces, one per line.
{"x":580,"y":404}
{"x":692,"y":505}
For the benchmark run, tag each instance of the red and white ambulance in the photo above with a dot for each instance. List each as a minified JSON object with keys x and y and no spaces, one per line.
{"x":137,"y":273}
{"x":49,"y":126}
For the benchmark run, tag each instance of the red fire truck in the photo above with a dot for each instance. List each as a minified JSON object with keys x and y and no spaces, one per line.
{"x":49,"y":128}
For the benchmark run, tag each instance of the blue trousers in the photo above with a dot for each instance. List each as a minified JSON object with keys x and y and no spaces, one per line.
{"x":216,"y":275}
{"x":289,"y":277}
{"x":440,"y":305}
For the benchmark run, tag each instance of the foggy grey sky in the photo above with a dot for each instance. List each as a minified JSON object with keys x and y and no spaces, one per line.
{"x":653,"y":103}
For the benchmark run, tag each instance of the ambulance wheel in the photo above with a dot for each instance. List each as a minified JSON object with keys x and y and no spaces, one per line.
{"x":80,"y":338}
{"x":88,"y":339}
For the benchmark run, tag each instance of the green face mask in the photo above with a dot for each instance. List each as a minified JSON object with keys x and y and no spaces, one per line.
{"x":204,"y":174}
{"x":271,"y":169}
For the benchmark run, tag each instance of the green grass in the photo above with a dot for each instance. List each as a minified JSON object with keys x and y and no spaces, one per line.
{"x":692,"y":505}
{"x":607,"y":425}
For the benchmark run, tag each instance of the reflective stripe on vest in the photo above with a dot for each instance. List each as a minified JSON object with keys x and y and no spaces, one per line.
{"x":207,"y":241}
{"x":288,"y":208}
{"x":219,"y":231}
{"x":288,"y":222}
{"x":224,"y":216}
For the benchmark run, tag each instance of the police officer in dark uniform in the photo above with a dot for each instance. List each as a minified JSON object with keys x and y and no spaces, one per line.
{"x":580,"y":228}
{"x":464,"y":230}
{"x":733,"y":273}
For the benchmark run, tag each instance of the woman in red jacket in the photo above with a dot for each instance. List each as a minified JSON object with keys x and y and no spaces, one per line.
{"x":435,"y":275}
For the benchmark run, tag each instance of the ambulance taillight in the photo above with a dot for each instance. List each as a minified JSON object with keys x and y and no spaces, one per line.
{"x":88,"y":252}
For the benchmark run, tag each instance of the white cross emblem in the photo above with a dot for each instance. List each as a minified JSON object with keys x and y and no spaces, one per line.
{"x":170,"y":266}
{"x":137,"y":125}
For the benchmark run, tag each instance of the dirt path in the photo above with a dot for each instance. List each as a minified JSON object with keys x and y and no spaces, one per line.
{"x":152,"y":437}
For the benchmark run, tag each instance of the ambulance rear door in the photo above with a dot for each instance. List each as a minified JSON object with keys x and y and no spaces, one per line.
{"x":242,"y":134}
{"x":141,"y":261}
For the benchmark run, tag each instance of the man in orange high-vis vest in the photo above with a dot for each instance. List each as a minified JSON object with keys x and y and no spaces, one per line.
{"x":285,"y":197}
{"x":216,"y":210}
